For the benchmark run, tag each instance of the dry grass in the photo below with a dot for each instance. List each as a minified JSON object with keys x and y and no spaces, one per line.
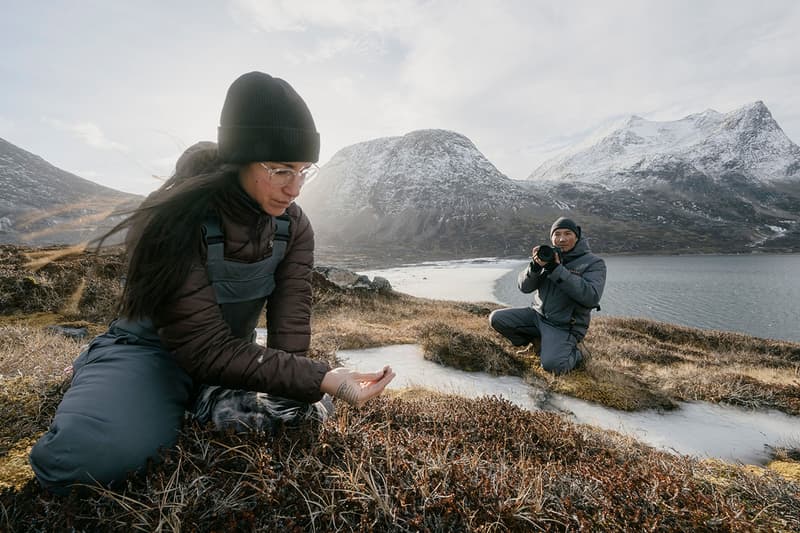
{"x":414,"y":460}
{"x":28,"y":350}
{"x":636,"y":363}
{"x":691,"y":364}
{"x":436,"y":463}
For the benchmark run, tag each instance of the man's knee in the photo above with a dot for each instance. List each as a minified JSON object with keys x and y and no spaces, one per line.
{"x":557,"y":364}
{"x":494,"y":319}
{"x":499,"y":319}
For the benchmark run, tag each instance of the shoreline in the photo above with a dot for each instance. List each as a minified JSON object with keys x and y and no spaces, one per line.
{"x":674,"y":298}
{"x":364,"y":261}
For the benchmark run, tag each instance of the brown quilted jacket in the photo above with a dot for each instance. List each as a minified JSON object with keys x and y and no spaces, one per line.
{"x":194,"y":330}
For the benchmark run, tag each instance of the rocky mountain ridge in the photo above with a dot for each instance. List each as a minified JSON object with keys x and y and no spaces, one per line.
{"x":747,"y":142}
{"x":716,"y":182}
{"x":42,"y":204}
{"x":707,"y":183}
{"x":429,"y":190}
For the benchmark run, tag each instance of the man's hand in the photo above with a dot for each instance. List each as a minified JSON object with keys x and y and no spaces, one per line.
{"x":546,"y":267}
{"x":535,"y":256}
{"x":356,"y":388}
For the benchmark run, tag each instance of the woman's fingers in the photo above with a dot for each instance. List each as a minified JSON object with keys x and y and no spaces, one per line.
{"x":372,"y":376}
{"x":356,"y":387}
{"x":386,"y":376}
{"x":372,"y":384}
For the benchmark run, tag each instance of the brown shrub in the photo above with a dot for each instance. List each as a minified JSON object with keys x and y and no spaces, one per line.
{"x":436,"y":464}
{"x":452,"y":346}
{"x":76,"y":283}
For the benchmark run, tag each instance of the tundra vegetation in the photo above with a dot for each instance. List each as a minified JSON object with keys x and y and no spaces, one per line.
{"x":412,"y":460}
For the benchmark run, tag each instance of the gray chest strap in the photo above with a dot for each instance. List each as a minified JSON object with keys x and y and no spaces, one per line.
{"x":240,"y":282}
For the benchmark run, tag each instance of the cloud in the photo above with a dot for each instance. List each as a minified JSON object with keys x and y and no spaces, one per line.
{"x":88,"y":132}
{"x":6,"y":126}
{"x":521,"y":78}
{"x":91,"y":175}
{"x":352,"y":15}
{"x":326,"y":49}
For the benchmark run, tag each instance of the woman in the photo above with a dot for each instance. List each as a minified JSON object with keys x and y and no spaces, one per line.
{"x":219,"y":239}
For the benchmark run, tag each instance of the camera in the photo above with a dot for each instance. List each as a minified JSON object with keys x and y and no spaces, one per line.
{"x":548,"y":253}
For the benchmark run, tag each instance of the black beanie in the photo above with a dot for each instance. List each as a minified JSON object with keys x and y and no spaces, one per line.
{"x":565,"y":223}
{"x":264,"y":119}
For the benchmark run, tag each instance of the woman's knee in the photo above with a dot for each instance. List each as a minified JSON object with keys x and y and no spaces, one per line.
{"x":87,"y":450}
{"x":120,"y":409}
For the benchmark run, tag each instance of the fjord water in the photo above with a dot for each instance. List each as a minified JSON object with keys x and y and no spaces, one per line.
{"x":756,"y":294}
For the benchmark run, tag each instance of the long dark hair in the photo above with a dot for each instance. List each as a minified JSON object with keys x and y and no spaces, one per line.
{"x":164,"y":232}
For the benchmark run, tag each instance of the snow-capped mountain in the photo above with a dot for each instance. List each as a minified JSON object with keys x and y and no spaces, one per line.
{"x":429,"y":188}
{"x":42,"y":204}
{"x":710,"y":181}
{"x":425,"y":169}
{"x":747,"y":142}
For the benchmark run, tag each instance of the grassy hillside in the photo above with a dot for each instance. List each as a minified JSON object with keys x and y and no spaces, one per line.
{"x":414,"y":460}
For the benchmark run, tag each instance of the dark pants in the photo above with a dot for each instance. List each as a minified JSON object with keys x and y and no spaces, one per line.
{"x":523,"y":325}
{"x":127,"y":399}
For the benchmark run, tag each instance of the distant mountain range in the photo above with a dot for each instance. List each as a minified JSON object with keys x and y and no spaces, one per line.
{"x":747,"y":142}
{"x":707,"y":183}
{"x":41,"y":204}
{"x":711,"y":182}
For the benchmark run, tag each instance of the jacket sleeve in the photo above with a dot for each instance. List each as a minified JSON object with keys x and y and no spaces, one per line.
{"x":193,"y":329}
{"x":531,"y":278}
{"x":289,"y":305}
{"x":587,"y":288}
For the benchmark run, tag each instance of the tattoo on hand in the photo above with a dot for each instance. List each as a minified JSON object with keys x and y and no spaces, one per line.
{"x":347,"y":393}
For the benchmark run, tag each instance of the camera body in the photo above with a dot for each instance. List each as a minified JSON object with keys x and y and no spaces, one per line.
{"x":548,"y":253}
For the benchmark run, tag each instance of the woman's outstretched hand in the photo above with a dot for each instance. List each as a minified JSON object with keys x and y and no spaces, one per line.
{"x":356,"y":387}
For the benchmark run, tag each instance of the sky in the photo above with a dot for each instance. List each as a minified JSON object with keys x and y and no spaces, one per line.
{"x":114,"y":91}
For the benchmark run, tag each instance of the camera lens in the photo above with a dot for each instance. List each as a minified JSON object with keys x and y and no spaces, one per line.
{"x":546,"y":253}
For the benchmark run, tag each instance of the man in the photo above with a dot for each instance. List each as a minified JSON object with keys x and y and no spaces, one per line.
{"x":567,"y":283}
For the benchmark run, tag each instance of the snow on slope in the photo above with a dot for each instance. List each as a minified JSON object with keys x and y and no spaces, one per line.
{"x":424,"y":169}
{"x":747,"y":141}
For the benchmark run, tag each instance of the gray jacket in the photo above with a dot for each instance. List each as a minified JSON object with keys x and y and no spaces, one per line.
{"x":565,"y":297}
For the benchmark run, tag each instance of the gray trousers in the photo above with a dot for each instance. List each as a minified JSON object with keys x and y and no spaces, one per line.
{"x":128,"y":399}
{"x":522,"y":325}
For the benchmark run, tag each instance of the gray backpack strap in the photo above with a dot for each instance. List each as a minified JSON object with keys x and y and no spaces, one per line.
{"x":241,"y":282}
{"x":215,"y":239}
{"x":283,"y":228}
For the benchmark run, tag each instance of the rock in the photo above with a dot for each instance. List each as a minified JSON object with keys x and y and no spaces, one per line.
{"x":381,"y":284}
{"x":349,"y":280}
{"x":69,"y":331}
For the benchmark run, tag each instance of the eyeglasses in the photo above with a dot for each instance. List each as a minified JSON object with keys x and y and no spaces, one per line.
{"x":281,"y":177}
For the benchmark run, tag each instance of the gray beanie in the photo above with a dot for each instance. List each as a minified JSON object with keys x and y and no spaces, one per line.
{"x":566,"y":223}
{"x":264,"y":119}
